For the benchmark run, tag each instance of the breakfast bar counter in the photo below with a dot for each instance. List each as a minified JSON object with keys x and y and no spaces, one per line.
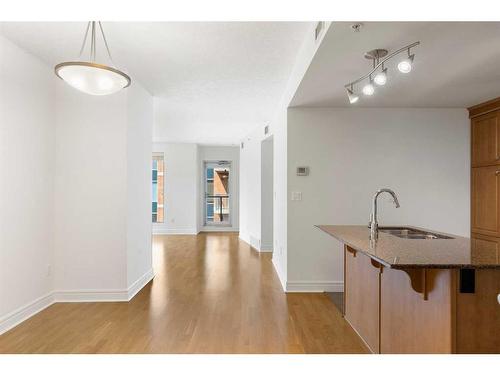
{"x":415,"y":291}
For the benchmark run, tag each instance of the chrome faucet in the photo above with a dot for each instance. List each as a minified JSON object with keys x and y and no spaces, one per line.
{"x":373,"y":218}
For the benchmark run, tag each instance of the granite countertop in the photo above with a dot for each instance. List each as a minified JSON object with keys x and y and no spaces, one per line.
{"x":398,"y":253}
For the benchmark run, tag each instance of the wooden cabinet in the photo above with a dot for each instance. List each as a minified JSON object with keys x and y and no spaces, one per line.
{"x":485,"y":249}
{"x":486,"y":200}
{"x":362,"y":296}
{"x":485,"y":174}
{"x":485,"y":131}
{"x":478,"y":315}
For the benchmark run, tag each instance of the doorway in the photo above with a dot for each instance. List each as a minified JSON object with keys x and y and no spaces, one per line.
{"x":217,"y":203}
{"x":267,"y":194}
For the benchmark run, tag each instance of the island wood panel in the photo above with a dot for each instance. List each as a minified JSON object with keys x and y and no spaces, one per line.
{"x":485,"y":200}
{"x":411,"y":324}
{"x":478,"y":315}
{"x":361,"y":296}
{"x":486,"y":139}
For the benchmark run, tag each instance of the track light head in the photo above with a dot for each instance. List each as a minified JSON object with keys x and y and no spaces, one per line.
{"x":368,"y":89}
{"x":405,"y":65}
{"x":353,"y":98}
{"x":381,"y":77}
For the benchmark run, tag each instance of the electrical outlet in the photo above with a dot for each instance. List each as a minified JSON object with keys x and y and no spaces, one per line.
{"x":296,"y":195}
{"x":172,"y":220}
{"x":49,"y":270}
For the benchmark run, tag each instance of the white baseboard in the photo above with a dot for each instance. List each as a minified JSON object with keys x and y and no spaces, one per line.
{"x":219,"y":229}
{"x":18,"y":316}
{"x":100,"y":295}
{"x":91,"y":295}
{"x":314,"y":286}
{"x":266,"y":248}
{"x":188,"y":231}
{"x":262,"y":249}
{"x":280,"y":276}
{"x":139,"y":284}
{"x":244,"y":238}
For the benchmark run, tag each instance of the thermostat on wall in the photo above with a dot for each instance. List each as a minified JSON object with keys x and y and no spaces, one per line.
{"x":302,"y":171}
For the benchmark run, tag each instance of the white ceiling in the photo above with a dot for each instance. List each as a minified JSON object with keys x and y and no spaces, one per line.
{"x":456,"y":65}
{"x":213,"y":81}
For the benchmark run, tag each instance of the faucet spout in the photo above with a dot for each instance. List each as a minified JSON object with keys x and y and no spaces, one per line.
{"x":373,"y":217}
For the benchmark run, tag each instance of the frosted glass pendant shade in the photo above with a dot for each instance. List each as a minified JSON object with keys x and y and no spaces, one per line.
{"x":91,"y":78}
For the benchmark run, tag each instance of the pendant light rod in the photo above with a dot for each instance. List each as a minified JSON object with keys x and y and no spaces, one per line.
{"x":92,"y":43}
{"x":350,"y":84}
{"x":106,"y":43}
{"x":91,"y":26}
{"x":84,"y":40}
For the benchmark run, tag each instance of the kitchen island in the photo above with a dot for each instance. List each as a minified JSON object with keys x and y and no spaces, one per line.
{"x":413,"y":295}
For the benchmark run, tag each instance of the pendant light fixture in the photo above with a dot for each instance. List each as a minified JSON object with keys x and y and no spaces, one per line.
{"x":89,"y":76}
{"x":380,"y":58}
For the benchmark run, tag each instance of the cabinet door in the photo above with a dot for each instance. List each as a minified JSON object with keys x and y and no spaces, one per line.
{"x":485,"y":200}
{"x":486,"y":140}
{"x":362,"y":296}
{"x":485,"y":249}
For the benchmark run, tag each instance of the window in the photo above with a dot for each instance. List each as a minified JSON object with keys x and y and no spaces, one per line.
{"x":158,"y":184}
{"x":217,"y":209}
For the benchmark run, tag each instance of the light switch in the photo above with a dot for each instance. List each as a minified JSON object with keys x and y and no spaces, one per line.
{"x":296,"y":195}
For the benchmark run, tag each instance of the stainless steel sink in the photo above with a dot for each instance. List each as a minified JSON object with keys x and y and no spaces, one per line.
{"x":412,"y":234}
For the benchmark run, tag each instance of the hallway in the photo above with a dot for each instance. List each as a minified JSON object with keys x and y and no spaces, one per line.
{"x":211,"y":294}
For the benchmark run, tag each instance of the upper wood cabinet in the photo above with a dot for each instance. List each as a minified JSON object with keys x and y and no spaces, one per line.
{"x":486,"y":200}
{"x":485,"y":175}
{"x":486,"y":139}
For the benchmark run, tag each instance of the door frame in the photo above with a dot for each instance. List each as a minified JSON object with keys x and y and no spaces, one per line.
{"x":215,"y":163}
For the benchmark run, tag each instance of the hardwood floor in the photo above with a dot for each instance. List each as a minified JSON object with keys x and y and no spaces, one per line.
{"x":212,"y":294}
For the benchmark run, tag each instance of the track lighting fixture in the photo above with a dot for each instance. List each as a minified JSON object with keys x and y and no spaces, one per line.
{"x":380,"y":58}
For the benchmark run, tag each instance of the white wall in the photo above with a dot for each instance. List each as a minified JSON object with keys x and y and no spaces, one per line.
{"x":102,"y":189}
{"x":139,"y":151}
{"x":181,"y":188}
{"x":250,"y":192}
{"x":422,"y":154}
{"x":250,"y":200}
{"x":267,"y":194}
{"x":91,"y":190}
{"x":215,"y":153}
{"x":26,"y":178}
